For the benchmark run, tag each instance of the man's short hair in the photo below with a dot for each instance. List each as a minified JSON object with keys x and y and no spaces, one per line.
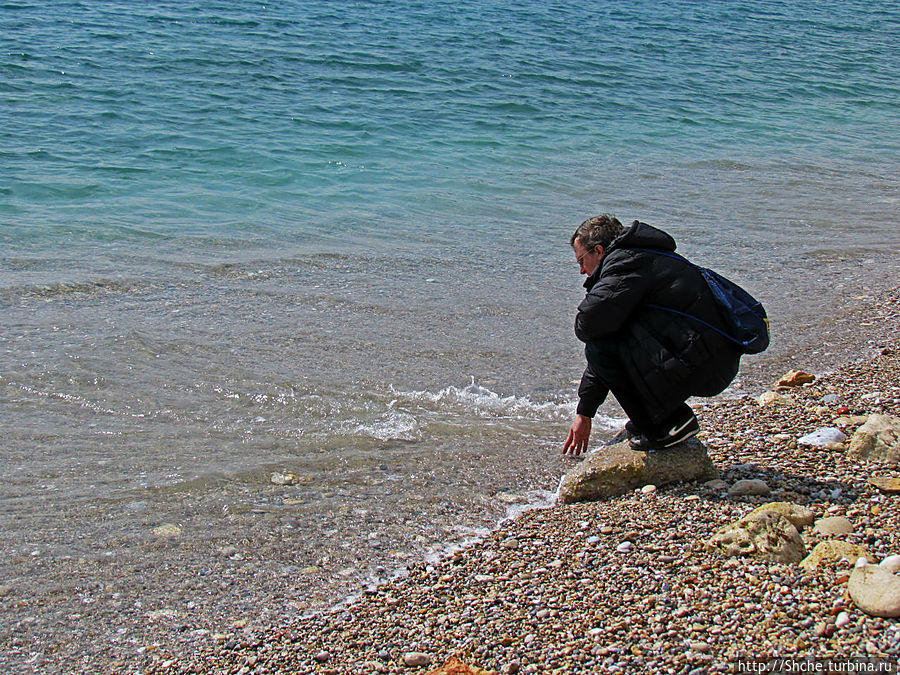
{"x":597,"y":231}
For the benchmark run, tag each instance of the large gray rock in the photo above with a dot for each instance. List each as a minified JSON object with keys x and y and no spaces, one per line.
{"x":616,"y":469}
{"x":763,"y":534}
{"x":875,"y":590}
{"x":877,"y":440}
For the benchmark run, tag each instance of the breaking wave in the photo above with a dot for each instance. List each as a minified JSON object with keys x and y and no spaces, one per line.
{"x":481,"y":402}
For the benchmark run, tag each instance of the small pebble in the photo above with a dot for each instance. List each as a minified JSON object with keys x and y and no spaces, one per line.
{"x":749,"y":487}
{"x":416,"y":659}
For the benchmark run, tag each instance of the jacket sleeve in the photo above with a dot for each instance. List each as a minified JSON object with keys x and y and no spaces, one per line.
{"x":622,"y":286}
{"x":591,"y":394}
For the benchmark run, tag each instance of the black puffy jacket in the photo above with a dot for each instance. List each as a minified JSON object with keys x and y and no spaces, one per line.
{"x":667,"y":357}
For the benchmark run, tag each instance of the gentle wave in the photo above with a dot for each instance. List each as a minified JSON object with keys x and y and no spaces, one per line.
{"x":76,"y":289}
{"x":413,"y":415}
{"x":396,"y":415}
{"x":481,"y":402}
{"x":393,"y":425}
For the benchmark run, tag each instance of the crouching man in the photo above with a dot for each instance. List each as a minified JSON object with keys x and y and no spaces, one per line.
{"x":647,"y":322}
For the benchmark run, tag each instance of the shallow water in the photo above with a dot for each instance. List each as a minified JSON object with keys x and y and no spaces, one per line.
{"x":332,"y":241}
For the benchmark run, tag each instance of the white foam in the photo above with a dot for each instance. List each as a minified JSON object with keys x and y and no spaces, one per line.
{"x":530,"y":501}
{"x":482,"y":402}
{"x":392,"y":426}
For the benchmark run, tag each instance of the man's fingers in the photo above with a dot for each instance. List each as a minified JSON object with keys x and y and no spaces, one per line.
{"x":579,"y":434}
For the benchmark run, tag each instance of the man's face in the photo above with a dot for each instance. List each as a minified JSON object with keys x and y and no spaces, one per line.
{"x":587,"y":259}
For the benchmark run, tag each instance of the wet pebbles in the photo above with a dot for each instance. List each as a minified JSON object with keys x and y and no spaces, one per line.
{"x":627,"y":585}
{"x":623,"y":585}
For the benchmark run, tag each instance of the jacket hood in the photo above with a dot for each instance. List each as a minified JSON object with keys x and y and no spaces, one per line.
{"x":642,"y":235}
{"x":639,"y":235}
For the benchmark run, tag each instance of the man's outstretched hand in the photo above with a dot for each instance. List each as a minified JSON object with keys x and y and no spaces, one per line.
{"x":579,"y":434}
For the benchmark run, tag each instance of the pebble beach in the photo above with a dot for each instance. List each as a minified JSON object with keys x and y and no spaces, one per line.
{"x":286,"y":358}
{"x":621,"y":585}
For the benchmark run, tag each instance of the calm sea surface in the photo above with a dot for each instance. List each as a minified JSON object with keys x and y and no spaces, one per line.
{"x":331,"y":239}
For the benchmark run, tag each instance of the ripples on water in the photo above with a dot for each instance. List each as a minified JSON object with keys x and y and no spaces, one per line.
{"x":331,"y":238}
{"x":293,"y":120}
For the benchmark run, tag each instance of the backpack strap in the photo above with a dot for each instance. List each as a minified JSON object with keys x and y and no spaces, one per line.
{"x":685,"y":314}
{"x":698,"y":320}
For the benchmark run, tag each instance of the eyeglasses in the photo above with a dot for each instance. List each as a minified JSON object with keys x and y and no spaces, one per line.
{"x":582,"y":257}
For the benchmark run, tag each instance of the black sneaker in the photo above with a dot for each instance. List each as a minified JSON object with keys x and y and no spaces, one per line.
{"x":626,"y":433}
{"x":677,"y":434}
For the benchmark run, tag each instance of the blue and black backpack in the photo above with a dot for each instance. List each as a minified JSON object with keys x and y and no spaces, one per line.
{"x":744,"y":316}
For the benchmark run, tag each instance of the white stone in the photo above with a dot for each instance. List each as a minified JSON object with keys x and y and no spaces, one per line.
{"x":834,"y":525}
{"x":842,"y":620}
{"x":822,"y":436}
{"x":875,"y":590}
{"x":283,"y":479}
{"x":624,"y":547}
{"x":771,"y":398}
{"x":647,"y":489}
{"x":891,"y":564}
{"x":593,"y":540}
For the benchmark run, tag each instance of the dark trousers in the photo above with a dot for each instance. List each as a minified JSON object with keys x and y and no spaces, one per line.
{"x":606,"y":366}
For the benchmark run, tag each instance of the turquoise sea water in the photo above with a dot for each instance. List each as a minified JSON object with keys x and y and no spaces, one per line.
{"x":330,"y":238}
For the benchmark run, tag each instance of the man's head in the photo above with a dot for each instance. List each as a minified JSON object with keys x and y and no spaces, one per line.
{"x":591,"y":239}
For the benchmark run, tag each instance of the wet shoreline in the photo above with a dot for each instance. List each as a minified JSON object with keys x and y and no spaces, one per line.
{"x":180,"y":585}
{"x":557,"y":591}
